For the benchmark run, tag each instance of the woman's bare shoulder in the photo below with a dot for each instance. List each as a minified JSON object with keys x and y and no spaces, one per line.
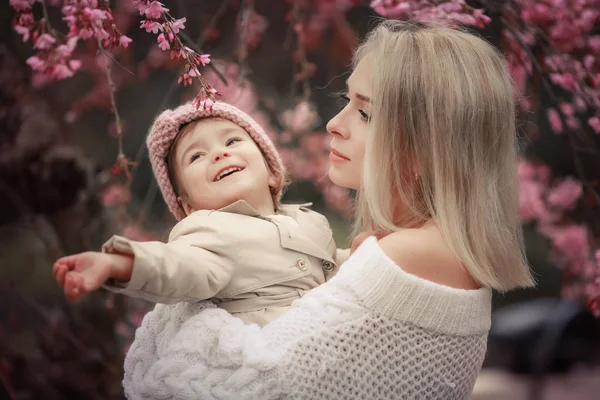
{"x":423,"y":252}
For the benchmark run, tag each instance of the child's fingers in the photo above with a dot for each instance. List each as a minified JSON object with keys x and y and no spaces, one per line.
{"x":59,"y":271}
{"x":74,"y":286}
{"x":69,"y":261}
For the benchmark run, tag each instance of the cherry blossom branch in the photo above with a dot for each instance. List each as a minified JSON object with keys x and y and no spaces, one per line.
{"x":45,"y":11}
{"x":113,"y":101}
{"x":169,"y":39}
{"x":549,"y":89}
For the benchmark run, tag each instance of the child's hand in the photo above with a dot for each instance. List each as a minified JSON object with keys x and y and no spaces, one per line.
{"x":82,"y":273}
{"x":357,"y":241}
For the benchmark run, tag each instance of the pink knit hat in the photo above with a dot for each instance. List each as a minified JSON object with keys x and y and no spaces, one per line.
{"x":167,"y":126}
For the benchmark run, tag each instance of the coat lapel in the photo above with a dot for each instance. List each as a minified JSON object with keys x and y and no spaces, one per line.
{"x":305,"y":236}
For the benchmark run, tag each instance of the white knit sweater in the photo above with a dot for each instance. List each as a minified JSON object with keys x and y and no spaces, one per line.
{"x":371,"y":332}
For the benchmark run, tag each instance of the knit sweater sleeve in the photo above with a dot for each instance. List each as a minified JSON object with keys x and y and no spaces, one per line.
{"x":373,"y":331}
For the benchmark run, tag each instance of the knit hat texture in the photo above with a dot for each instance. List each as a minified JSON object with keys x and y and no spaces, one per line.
{"x":167,"y":125}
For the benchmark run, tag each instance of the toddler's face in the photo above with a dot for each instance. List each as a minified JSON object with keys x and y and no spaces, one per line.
{"x":218,"y":163}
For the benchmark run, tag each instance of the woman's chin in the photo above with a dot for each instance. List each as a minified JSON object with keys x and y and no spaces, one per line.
{"x":343,"y":178}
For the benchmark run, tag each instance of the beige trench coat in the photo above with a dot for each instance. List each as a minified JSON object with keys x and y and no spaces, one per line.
{"x":253,"y":266}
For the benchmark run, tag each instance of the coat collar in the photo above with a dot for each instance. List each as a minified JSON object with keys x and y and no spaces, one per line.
{"x":244,"y":208}
{"x":292,"y":236}
{"x":240,"y":207}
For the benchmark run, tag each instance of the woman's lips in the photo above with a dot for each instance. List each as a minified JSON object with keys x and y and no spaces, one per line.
{"x":336,"y":156}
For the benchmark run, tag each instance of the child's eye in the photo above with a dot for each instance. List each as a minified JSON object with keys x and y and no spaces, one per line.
{"x":232,"y":141}
{"x":195,"y":156}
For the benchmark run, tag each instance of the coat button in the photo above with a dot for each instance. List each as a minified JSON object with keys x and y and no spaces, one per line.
{"x":327,"y":265}
{"x":301,"y":264}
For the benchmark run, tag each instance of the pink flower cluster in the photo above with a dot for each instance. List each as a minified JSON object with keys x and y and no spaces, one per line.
{"x":159,"y":21}
{"x":86,"y":19}
{"x":571,"y":54}
{"x":548,"y":202}
{"x":452,"y":11}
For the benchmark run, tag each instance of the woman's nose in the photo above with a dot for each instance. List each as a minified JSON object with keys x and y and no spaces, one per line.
{"x":336,"y":126}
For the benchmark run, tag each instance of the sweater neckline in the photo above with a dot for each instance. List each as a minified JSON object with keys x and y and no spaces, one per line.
{"x":383,"y":286}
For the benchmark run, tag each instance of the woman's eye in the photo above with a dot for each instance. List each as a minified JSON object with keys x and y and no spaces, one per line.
{"x":344,"y":99}
{"x":364,"y":116}
{"x":232,"y":141}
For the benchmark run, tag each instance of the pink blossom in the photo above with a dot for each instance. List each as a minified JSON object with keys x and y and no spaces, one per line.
{"x":519,"y":75}
{"x":61,"y":71}
{"x":74,"y":64}
{"x":36,"y":63}
{"x":594,"y":43}
{"x":124,"y":41}
{"x":594,"y":122}
{"x":115,"y":195}
{"x":22,"y":5}
{"x":151,"y":26}
{"x":566,"y":194}
{"x":153,"y":10}
{"x":177,"y":25}
{"x":526,"y":170}
{"x":391,"y":8}
{"x":567,"y":109}
{"x":555,"y":121}
{"x":44,"y":41}
{"x":25,"y":19}
{"x":65,"y":50}
{"x":543,"y":173}
{"x":566,"y":81}
{"x":572,"y":243}
{"x":23,"y":31}
{"x":163,"y":43}
{"x":464,"y":19}
{"x":589,"y":61}
{"x":205,"y":59}
{"x":208,"y":104}
{"x":86,"y":33}
{"x":531,"y":204}
{"x":481,"y":20}
{"x":301,"y":118}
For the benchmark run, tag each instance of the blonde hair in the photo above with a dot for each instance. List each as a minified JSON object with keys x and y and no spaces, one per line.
{"x":443,"y":135}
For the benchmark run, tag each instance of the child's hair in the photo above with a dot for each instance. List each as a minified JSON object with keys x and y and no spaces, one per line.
{"x":444,"y":100}
{"x":171,"y":125}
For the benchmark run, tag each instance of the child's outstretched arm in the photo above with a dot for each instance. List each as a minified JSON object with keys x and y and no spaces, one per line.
{"x":82,"y":273}
{"x":197,"y":263}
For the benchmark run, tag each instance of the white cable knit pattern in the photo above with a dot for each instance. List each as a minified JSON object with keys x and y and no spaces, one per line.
{"x":368,"y":333}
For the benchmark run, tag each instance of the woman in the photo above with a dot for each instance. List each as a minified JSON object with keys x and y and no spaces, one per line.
{"x":428,"y":139}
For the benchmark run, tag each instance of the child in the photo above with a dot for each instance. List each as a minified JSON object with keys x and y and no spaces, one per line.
{"x":222,"y":178}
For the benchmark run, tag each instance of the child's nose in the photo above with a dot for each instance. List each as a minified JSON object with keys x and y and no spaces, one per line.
{"x":220,"y":155}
